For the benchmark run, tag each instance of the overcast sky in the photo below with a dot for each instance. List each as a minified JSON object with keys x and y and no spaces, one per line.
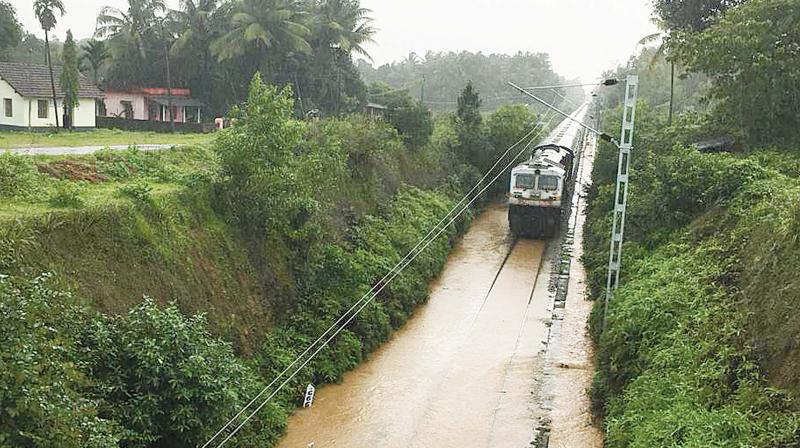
{"x":583,"y":37}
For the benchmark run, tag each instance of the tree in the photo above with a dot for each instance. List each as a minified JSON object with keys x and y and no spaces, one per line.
{"x":10,"y":29}
{"x":411,"y":118}
{"x":95,"y":54}
{"x":43,"y":400}
{"x":265,"y":27}
{"x":473,"y":145}
{"x":132,"y":39}
{"x":663,"y":37}
{"x":256,"y":155}
{"x":469,"y":107}
{"x":70,"y":81}
{"x":339,"y":29}
{"x":200,"y":23}
{"x":692,"y":15}
{"x":45,"y":11}
{"x":751,"y":55}
{"x":167,"y":380}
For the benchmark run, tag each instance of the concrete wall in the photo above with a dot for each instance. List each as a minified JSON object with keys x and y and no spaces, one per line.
{"x":114,"y":107}
{"x":83,"y":115}
{"x":19,"y":107}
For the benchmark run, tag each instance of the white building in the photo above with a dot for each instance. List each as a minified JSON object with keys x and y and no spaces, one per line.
{"x":26,"y":98}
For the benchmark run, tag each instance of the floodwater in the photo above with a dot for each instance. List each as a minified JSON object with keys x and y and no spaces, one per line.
{"x":462,"y":371}
{"x":570,"y":353}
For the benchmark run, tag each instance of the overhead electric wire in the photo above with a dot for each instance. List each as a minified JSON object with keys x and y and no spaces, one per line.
{"x":381,"y":285}
{"x":409,"y":254}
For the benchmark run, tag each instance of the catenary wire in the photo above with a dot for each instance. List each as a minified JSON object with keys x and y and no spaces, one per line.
{"x":373,"y":295}
{"x":409,"y":254}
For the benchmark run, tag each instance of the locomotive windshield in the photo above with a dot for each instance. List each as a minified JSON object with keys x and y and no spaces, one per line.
{"x":548,"y":183}
{"x":524,"y":181}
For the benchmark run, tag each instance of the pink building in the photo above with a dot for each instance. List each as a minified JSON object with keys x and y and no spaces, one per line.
{"x":152,"y":104}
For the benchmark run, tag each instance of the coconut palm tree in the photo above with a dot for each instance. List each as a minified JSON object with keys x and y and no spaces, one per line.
{"x":662,"y":37}
{"x":94,"y":54}
{"x":45,"y":11}
{"x":342,"y":24}
{"x":199,"y":23}
{"x":264,"y":26}
{"x":132,"y":37}
{"x":129,"y":27}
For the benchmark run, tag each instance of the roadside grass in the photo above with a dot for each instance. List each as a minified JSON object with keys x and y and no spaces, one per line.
{"x":31,"y":185}
{"x":98,"y":137}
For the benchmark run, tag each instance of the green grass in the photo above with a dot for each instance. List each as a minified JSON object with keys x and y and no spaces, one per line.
{"x":99,"y":137}
{"x":94,"y":195}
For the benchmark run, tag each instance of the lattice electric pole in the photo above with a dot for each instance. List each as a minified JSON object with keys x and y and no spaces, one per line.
{"x":621,"y":195}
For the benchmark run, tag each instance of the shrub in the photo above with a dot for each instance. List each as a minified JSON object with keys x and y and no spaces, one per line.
{"x":67,"y":194}
{"x":18,"y":176}
{"x":43,"y":400}
{"x":168,"y":382}
{"x":138,"y":191}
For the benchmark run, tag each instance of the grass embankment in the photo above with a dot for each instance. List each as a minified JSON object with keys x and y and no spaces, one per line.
{"x":272,"y":235}
{"x":700,"y":347}
{"x":99,"y":137}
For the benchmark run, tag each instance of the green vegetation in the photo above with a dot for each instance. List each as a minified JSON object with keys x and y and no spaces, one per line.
{"x":699,"y":346}
{"x":99,"y":137}
{"x":438,"y":77}
{"x":246,"y":250}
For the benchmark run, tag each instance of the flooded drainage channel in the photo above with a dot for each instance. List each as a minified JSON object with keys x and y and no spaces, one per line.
{"x":477,"y":366}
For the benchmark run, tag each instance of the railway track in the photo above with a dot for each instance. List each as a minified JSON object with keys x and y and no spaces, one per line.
{"x":461,"y":372}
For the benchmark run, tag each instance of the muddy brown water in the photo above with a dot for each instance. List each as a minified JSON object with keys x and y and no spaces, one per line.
{"x":461,"y":372}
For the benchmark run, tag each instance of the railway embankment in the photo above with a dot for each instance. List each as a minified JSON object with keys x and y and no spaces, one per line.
{"x":700,"y":342}
{"x":148,"y":296}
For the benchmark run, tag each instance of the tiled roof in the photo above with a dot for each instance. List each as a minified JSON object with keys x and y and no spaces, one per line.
{"x":31,"y":80}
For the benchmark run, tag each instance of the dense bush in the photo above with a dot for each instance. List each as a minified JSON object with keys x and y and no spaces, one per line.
{"x":694,"y":351}
{"x":672,"y":369}
{"x":167,"y":381}
{"x":43,"y":379}
{"x":18,"y":176}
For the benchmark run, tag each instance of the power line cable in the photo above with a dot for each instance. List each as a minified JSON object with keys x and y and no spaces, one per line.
{"x":372,"y":297}
{"x":376,"y":285}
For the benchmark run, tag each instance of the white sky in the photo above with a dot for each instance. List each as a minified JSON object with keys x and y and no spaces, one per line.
{"x":583,"y":37}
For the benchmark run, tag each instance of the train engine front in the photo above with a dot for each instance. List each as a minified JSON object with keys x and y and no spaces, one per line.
{"x":538,"y":191}
{"x":541,"y":187}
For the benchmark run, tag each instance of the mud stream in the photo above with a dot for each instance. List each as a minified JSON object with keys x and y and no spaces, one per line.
{"x":463,"y":371}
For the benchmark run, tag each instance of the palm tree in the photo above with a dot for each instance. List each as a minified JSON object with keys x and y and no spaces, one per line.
{"x":45,"y":11}
{"x":265,"y":26}
{"x":199,"y":23}
{"x":95,"y":54}
{"x":130,"y":37}
{"x":131,"y":26}
{"x":343,"y":24}
{"x":663,"y":37}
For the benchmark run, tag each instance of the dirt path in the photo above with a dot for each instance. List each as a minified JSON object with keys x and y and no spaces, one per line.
{"x":79,"y":150}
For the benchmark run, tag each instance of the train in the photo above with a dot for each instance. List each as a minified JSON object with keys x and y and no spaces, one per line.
{"x":541,"y":187}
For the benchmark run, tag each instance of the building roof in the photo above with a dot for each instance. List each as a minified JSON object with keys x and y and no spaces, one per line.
{"x":32,"y":80}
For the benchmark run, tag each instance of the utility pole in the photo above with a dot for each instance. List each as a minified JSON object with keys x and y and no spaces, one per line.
{"x":169,"y":78}
{"x":621,"y":194}
{"x":422,"y":91}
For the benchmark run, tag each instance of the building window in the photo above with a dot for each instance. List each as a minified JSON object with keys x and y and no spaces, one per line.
{"x":44,"y":110}
{"x":100,"y":108}
{"x":127,"y":109}
{"x":8,"y":106}
{"x":192,"y":114}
